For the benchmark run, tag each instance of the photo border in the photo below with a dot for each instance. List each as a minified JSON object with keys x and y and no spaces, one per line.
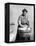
{"x":7,"y":21}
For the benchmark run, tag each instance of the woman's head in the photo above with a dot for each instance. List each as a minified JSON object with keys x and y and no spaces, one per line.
{"x":24,"y":11}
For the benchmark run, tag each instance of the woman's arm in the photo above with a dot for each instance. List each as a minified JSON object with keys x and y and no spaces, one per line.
{"x":28,"y":21}
{"x":19,"y":21}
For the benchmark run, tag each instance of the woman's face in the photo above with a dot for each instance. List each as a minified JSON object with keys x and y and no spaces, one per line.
{"x":25,"y":13}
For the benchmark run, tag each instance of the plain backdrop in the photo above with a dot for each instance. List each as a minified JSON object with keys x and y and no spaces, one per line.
{"x":2,"y":23}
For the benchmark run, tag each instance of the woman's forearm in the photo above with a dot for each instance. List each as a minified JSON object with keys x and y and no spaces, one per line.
{"x":20,"y":24}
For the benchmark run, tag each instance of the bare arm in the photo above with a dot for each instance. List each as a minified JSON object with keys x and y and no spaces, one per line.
{"x":19,"y":21}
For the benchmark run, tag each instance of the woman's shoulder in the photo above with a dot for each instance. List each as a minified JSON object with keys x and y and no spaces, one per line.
{"x":20,"y":16}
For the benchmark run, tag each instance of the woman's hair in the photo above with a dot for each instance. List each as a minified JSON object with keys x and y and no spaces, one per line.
{"x":24,"y":10}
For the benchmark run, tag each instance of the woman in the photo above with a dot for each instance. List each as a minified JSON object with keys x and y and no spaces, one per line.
{"x":22,"y":23}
